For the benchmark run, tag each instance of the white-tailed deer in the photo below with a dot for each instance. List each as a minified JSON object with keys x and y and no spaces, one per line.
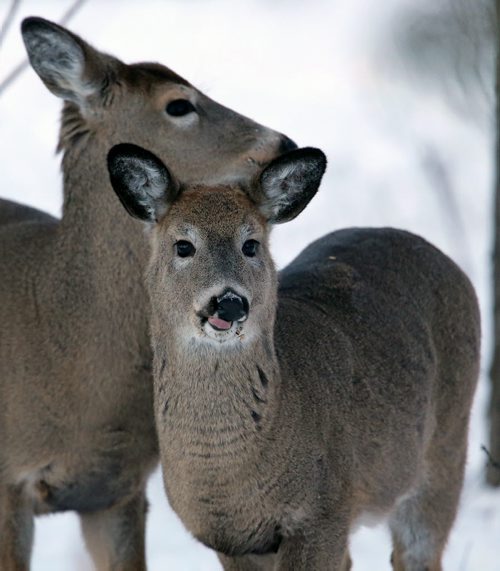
{"x":76,"y":418}
{"x":291,"y":406}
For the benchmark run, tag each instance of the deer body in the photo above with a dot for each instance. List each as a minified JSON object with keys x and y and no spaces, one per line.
{"x":342,"y":393}
{"x":76,"y":418}
{"x":13,"y":213}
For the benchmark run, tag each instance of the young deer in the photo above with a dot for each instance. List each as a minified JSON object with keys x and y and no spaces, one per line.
{"x":76,"y":419}
{"x":289,"y":407}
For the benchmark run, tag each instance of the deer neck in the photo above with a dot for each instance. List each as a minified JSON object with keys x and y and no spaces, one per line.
{"x":95,"y":273}
{"x":214,"y":404}
{"x":95,"y":225}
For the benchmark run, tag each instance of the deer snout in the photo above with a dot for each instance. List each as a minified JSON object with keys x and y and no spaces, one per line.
{"x":224,"y":310}
{"x":231,"y":307}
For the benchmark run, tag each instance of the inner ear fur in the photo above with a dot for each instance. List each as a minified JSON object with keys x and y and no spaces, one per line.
{"x":141,"y":181}
{"x":68,"y":66}
{"x":289,"y":182}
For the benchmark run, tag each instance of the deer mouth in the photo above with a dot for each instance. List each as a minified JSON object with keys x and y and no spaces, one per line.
{"x":220,"y":330}
{"x":222,"y":316}
{"x":222,"y":325}
{"x":219,"y":324}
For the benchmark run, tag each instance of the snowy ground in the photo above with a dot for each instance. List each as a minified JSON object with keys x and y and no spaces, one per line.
{"x":313,"y":70}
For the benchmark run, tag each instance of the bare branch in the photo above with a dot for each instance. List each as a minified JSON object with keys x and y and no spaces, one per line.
{"x":493,"y":466}
{"x":450,"y":45}
{"x":13,"y":75}
{"x":18,"y":70}
{"x":9,"y":18}
{"x":71,"y":11}
{"x":491,"y":461}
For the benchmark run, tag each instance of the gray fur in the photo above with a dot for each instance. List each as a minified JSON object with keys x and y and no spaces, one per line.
{"x":344,"y":396}
{"x":76,"y":421}
{"x":14,"y":213}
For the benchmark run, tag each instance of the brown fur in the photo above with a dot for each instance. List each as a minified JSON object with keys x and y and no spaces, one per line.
{"x":76,"y":422}
{"x":353,"y":402}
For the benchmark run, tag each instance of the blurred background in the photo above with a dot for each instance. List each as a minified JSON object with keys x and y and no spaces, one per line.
{"x":398,"y":93}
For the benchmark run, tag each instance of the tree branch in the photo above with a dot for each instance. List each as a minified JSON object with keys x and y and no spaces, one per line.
{"x":9,"y":18}
{"x":491,"y":461}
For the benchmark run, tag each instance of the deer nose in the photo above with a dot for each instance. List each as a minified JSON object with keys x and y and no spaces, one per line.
{"x":232,"y":307}
{"x":286,"y":145}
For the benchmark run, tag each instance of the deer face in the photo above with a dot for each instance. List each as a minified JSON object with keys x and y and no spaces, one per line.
{"x":149,"y":105}
{"x":211,"y":276}
{"x":200,"y":139}
{"x":211,"y":271}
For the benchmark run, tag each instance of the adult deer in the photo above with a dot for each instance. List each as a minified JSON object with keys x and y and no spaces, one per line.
{"x":288,"y":413}
{"x":76,"y":421}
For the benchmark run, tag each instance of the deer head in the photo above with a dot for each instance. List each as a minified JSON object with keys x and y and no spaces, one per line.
{"x":212,"y":277}
{"x":147,"y":104}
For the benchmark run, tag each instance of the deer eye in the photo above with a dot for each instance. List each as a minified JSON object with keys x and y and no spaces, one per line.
{"x":180,"y":107}
{"x":184,"y":249}
{"x":250,"y":248}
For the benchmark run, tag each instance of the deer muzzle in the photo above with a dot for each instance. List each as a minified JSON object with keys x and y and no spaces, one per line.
{"x":228,"y":308}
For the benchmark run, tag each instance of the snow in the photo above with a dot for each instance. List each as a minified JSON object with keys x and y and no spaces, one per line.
{"x":315,"y":71}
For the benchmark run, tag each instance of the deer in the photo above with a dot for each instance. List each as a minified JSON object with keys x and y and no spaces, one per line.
{"x":77,"y":427}
{"x":12,"y":213}
{"x":292,"y":407}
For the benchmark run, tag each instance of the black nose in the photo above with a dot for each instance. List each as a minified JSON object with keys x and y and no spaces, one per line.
{"x":231,"y":307}
{"x":286,"y":145}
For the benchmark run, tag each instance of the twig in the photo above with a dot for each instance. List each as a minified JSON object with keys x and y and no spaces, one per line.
{"x":9,"y":18}
{"x":71,"y":11}
{"x":491,"y":461}
{"x":17,"y":71}
{"x":13,"y":75}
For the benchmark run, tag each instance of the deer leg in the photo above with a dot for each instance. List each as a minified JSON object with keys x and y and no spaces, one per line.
{"x":421,"y":523}
{"x":16,"y":530}
{"x":347,"y":563}
{"x":115,"y":537}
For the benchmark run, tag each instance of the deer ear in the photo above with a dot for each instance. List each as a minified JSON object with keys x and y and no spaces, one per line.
{"x":69,"y":67}
{"x":289,"y":182}
{"x":142,"y":182}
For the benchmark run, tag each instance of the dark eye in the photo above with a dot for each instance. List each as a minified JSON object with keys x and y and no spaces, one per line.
{"x":180,"y":107}
{"x":184,"y":248}
{"x":250,"y":248}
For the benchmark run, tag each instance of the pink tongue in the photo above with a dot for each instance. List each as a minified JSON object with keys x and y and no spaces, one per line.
{"x":219,"y":323}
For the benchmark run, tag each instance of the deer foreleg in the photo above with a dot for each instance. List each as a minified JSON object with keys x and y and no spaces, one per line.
{"x":116,"y":537}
